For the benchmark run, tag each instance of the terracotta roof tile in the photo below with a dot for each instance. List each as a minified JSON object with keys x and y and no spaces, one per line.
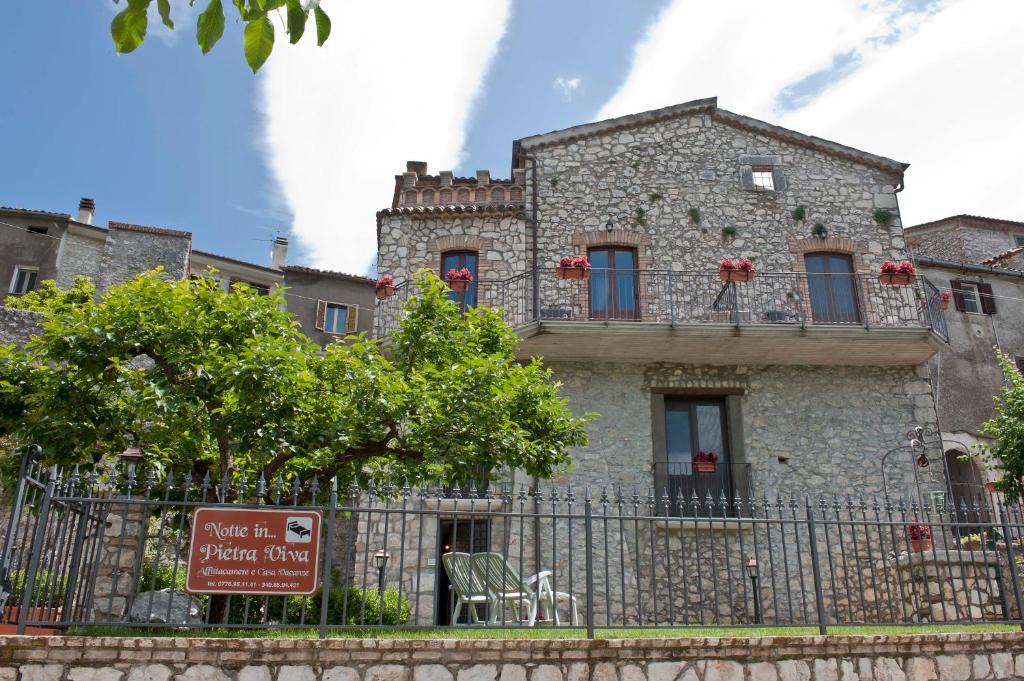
{"x":145,"y":229}
{"x":302,"y":269}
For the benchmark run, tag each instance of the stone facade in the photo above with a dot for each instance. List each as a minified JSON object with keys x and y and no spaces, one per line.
{"x":17,"y":326}
{"x":935,"y":657}
{"x":132,"y":249}
{"x":964,"y":238}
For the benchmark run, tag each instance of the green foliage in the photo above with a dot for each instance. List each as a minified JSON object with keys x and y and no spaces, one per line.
{"x":800,"y":213}
{"x":655,"y":196}
{"x":728,"y":232}
{"x":47,"y":591}
{"x":49,"y":298}
{"x":204,"y":379}
{"x":357,"y":607}
{"x":819,"y":230}
{"x":1007,"y":429}
{"x":884,"y":217}
{"x":129,"y":26}
{"x":694,"y":215}
{"x":640,"y":216}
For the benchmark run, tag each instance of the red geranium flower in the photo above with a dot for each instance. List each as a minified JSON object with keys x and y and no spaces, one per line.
{"x":386,"y":280}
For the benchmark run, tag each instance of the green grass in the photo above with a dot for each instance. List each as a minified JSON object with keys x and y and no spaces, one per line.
{"x":538,"y":633}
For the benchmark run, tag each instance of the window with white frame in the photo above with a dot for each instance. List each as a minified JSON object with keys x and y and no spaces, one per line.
{"x":763,"y":178}
{"x":972,"y":301}
{"x":24,"y":279}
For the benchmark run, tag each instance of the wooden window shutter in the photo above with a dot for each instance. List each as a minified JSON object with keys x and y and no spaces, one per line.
{"x":321,"y":312}
{"x":1018,"y":360}
{"x":778,"y":179}
{"x":988,"y":301}
{"x":958,"y":294}
{"x":351,"y":318}
{"x":747,"y":177}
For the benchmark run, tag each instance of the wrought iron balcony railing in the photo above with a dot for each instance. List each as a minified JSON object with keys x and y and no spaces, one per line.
{"x":683,"y":490}
{"x":680,"y":298}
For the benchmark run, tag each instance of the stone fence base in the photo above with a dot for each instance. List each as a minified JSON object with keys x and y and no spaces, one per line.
{"x":937,"y":657}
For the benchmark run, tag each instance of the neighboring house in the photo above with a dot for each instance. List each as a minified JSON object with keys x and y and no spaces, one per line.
{"x":980,"y":262}
{"x":801,"y":380}
{"x":39,"y":245}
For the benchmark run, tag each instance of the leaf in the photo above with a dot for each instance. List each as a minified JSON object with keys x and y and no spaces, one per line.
{"x":296,"y":21}
{"x":258,"y":41}
{"x":210,"y":27}
{"x":323,"y":25}
{"x":128,"y":29}
{"x":164,"y":7}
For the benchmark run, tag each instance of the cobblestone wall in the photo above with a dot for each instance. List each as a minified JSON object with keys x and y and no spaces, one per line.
{"x":129,"y":252}
{"x":936,"y":657}
{"x":17,"y":326}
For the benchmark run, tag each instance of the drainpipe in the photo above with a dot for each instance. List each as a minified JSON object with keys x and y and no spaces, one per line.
{"x":534,"y":220}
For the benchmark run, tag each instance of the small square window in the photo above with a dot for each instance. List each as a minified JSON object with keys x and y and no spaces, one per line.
{"x":764,"y":181}
{"x":24,"y":280}
{"x":38,"y":230}
{"x":335,"y":318}
{"x":972,"y":302}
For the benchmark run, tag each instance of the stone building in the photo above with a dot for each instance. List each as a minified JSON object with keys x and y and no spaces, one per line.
{"x":39,"y":245}
{"x":979,"y":263}
{"x":800,"y":380}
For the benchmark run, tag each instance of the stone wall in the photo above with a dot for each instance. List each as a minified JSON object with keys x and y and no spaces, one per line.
{"x":935,"y":657}
{"x":131,"y":250}
{"x":17,"y":326}
{"x":81,"y":254}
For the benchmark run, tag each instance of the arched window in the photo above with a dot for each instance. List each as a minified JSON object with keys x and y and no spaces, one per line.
{"x":481,"y":196}
{"x":498,"y":195}
{"x":463,"y":195}
{"x":410,"y":197}
{"x":613,"y":283}
{"x":456,"y":260}
{"x":427,"y":197}
{"x":446,"y":196}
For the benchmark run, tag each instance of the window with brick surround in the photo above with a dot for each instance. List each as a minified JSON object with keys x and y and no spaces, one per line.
{"x":456,"y":260}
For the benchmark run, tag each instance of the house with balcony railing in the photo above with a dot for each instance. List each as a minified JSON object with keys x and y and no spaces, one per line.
{"x":798,"y":375}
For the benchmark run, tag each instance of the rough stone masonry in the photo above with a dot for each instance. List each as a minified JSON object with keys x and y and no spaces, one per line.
{"x":934,"y":657}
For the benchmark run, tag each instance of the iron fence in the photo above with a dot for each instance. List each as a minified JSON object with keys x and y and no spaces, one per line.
{"x":84,"y":549}
{"x":688,"y":298}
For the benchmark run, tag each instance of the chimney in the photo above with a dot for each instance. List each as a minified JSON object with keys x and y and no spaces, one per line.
{"x":86,"y":209}
{"x":418,"y":167}
{"x":279,"y":253}
{"x":483,"y":177}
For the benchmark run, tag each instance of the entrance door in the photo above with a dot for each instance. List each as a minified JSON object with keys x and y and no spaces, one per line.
{"x":461,"y":535}
{"x":833,"y":288}
{"x":613,"y":284}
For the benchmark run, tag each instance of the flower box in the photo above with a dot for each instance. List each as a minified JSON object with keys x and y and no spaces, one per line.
{"x":704,"y":466}
{"x":385,"y":292}
{"x":458,"y":285}
{"x":896,"y":278}
{"x":577,"y":273}
{"x":458,"y":280}
{"x":920,"y":545}
{"x":736,"y":271}
{"x":12,"y":612}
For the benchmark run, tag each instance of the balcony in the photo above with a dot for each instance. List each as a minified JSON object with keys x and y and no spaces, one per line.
{"x":683,"y":491}
{"x":694,"y":317}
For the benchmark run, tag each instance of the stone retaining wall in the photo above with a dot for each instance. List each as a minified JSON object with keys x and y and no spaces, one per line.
{"x":953,"y":657}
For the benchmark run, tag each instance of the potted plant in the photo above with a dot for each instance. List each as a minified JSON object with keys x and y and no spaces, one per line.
{"x":800,"y":213}
{"x":819,"y":230}
{"x":944,"y":299}
{"x":385,"y":287}
{"x":741,"y":270}
{"x":900,"y":273}
{"x":972,"y":542}
{"x":574,"y":267}
{"x":990,"y":487}
{"x":705,"y":462}
{"x":458,"y":280}
{"x":728,"y":233}
{"x":920,"y":537}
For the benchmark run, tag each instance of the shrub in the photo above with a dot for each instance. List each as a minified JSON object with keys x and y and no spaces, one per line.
{"x":396,"y":610}
{"x":800,"y":213}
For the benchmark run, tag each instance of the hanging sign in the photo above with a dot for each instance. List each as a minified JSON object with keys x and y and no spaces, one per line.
{"x":271,"y":552}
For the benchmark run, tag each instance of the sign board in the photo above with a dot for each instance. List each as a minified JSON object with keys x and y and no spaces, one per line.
{"x":269,"y":552}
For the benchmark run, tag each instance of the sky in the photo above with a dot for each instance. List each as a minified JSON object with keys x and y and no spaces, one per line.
{"x":308,"y":148}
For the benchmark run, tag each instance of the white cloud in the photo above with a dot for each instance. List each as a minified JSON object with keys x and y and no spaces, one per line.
{"x":566,"y":87}
{"x":395,"y":82}
{"x":938,"y":88}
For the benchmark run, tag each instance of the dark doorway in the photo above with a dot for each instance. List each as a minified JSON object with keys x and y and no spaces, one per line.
{"x":613,"y":284}
{"x":462,"y":535}
{"x":833,"y":288}
{"x":969,"y":500}
{"x":691,"y":426}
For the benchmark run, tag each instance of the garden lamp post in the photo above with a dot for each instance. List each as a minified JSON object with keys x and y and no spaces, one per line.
{"x":753,"y":574}
{"x":380,"y":559}
{"x":130,"y":459}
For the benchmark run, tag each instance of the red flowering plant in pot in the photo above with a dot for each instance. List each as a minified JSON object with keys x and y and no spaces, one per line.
{"x":944,"y":299}
{"x":920,"y":537}
{"x":458,"y":280}
{"x":573,"y":267}
{"x":740,"y":271}
{"x":900,"y":273}
{"x":385,"y":287}
{"x":705,"y":462}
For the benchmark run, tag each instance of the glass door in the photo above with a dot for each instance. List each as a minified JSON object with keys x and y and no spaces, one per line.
{"x":457,"y":260}
{"x":693,"y":426}
{"x":613,"y":284}
{"x":833,"y":288}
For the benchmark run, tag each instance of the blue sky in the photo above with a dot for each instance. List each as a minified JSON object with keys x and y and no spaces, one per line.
{"x":168,"y":137}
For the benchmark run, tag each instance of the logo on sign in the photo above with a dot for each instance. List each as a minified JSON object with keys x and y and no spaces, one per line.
{"x":298,"y":530}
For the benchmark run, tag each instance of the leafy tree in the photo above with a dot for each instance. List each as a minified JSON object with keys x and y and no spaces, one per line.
{"x":128,"y":29}
{"x":214,"y":381}
{"x":48,"y":297}
{"x":1007,"y":428}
